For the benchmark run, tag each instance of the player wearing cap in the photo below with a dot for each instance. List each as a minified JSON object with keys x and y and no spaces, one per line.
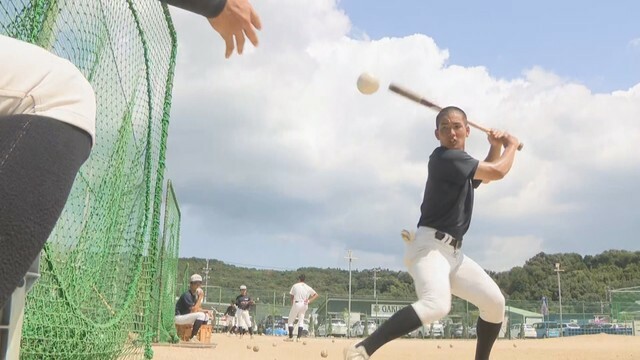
{"x":244,"y":302}
{"x":188,"y":307}
{"x":433,"y":254}
{"x":301,"y":296}
{"x":230,"y":315}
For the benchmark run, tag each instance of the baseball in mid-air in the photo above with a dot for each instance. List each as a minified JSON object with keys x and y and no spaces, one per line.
{"x":367,"y":83}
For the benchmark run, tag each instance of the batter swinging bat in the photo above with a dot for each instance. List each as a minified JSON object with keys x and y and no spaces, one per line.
{"x":420,"y":100}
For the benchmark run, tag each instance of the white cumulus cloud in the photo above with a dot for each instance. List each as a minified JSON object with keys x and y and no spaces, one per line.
{"x":277,"y":151}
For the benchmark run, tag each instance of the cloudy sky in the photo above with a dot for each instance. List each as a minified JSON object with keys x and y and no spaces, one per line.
{"x":278,"y":161}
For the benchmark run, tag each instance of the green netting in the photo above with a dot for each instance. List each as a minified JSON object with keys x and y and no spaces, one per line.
{"x":100,"y":265}
{"x":164,"y":297}
{"x":625,"y":303}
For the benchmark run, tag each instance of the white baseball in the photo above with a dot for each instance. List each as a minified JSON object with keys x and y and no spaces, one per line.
{"x":367,"y":84}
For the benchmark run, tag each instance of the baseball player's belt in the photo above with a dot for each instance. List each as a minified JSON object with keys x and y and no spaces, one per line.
{"x":448,"y":239}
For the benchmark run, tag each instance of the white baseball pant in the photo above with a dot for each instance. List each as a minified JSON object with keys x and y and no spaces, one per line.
{"x":31,"y":80}
{"x":189,"y":319}
{"x":244,"y":319}
{"x":231,"y":321}
{"x":298,"y":309}
{"x":438,"y":270}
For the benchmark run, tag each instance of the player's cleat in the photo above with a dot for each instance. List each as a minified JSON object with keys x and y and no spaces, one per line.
{"x":194,"y":340}
{"x":354,"y":352}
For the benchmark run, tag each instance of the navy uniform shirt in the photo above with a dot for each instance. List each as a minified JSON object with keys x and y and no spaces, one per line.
{"x":231,"y":311}
{"x":243,"y":302}
{"x":448,"y":195}
{"x":185,"y":303}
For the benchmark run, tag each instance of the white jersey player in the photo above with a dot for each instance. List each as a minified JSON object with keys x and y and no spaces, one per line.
{"x":301,"y":296}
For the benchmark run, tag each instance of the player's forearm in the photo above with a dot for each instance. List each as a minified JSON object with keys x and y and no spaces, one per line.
{"x":503,"y":164}
{"x":494,"y":153}
{"x":206,"y":8}
{"x":496,"y":169}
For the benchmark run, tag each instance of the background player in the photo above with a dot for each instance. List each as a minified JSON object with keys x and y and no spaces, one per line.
{"x":230,"y":316}
{"x":433,"y":255}
{"x":244,"y":303}
{"x":188,"y":307}
{"x":301,"y":296}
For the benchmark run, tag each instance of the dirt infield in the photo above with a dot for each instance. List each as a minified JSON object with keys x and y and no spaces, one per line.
{"x":586,"y":347}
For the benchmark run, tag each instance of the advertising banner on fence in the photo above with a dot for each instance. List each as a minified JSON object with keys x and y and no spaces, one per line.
{"x":385,"y":310}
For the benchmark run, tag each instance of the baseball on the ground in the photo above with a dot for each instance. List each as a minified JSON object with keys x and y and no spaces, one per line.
{"x":324,"y":353}
{"x":367,"y":84}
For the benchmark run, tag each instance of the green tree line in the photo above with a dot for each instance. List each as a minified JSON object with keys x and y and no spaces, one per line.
{"x":584,"y":278}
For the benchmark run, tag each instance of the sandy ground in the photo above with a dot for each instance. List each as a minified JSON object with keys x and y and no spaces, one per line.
{"x":585,"y":347}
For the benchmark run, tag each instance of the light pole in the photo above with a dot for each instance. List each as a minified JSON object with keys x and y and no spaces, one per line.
{"x":206,"y":281}
{"x":375,"y":292}
{"x":558,"y":270}
{"x":350,"y":258}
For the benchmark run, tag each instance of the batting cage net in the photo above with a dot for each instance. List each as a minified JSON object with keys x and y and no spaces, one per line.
{"x":164,"y":297}
{"x":100,"y":266}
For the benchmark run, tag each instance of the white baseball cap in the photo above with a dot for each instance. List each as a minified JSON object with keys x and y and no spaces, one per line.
{"x":195,"y":278}
{"x":243,"y":287}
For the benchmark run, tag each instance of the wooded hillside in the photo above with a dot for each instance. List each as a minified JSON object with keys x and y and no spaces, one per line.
{"x":585,"y":278}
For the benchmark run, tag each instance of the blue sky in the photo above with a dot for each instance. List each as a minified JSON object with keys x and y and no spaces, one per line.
{"x":587,"y":42}
{"x":278,"y":161}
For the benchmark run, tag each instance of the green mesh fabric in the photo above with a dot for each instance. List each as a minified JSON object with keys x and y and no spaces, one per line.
{"x":164,"y":297}
{"x":625,"y":303}
{"x":100,"y":265}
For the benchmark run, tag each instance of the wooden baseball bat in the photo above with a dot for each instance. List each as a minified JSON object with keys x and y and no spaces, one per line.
{"x":421,"y":100}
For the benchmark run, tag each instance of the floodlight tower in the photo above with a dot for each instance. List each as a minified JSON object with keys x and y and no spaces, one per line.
{"x":558,"y":271}
{"x":350,"y":258}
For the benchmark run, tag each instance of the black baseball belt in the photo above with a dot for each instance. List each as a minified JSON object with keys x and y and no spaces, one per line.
{"x":448,"y":239}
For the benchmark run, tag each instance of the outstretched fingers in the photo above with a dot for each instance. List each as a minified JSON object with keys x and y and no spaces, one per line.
{"x":240,"y":40}
{"x":230,"y":46}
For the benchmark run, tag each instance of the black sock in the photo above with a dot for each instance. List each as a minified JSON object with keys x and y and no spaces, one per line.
{"x":487,"y":333}
{"x":196,"y":327}
{"x":299,"y":332}
{"x":251,"y":331}
{"x":400,"y":323}
{"x":290,"y":332}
